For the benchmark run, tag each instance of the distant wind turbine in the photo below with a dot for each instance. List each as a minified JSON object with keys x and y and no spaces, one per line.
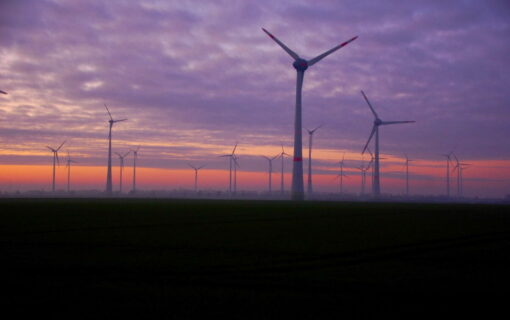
{"x":459,"y":166}
{"x":270,"y":170}
{"x":376,"y":187}
{"x":55,"y":161}
{"x":310,"y":141}
{"x":230,"y":161}
{"x":236,"y":165}
{"x":196,"y":174}
{"x":109,"y":187}
{"x":448,"y":160}
{"x":341,"y":175}
{"x":407,"y":174}
{"x":283,"y":154}
{"x":301,"y":65}
{"x":121,"y":167}
{"x":68,"y":165}
{"x":135,"y":157}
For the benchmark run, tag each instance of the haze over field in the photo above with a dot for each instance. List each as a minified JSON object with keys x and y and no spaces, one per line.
{"x":195,"y":77}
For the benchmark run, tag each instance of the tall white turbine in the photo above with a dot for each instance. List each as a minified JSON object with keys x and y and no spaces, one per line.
{"x":121,"y":167}
{"x":55,"y":161}
{"x":376,"y":186}
{"x":301,"y":65}
{"x":282,"y":155}
{"x":68,"y":165}
{"x":270,"y":170}
{"x":196,"y":174}
{"x":135,"y":157}
{"x":310,"y":141}
{"x":230,"y":157}
{"x":109,"y":187}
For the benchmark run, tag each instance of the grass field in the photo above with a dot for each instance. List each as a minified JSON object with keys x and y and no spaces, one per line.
{"x":252,"y":259}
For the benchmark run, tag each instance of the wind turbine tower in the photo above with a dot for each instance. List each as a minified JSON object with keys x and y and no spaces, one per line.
{"x":121,"y":167}
{"x":310,"y":141}
{"x":301,"y":65}
{"x":342,"y":174}
{"x":109,"y":187}
{"x":135,"y":157}
{"x":376,"y":186}
{"x":448,"y":160}
{"x":231,"y":157}
{"x":68,"y":165}
{"x":196,"y":174}
{"x":55,"y":161}
{"x":407,"y":174}
{"x":283,"y":154}
{"x":270,"y":170}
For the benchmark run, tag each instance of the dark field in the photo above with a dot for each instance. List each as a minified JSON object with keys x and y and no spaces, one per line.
{"x":244,"y":259}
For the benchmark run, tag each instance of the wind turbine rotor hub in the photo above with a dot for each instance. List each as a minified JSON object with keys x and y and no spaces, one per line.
{"x":300,"y":64}
{"x":377,"y":122}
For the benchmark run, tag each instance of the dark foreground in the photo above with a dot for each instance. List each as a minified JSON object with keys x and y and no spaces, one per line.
{"x":252,"y":260}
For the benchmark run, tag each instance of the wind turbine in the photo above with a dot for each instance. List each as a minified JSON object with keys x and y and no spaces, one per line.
{"x":109,"y":171}
{"x":196,"y":174}
{"x":448,"y":160}
{"x":68,"y":165}
{"x":376,"y":186}
{"x":462,"y":167}
{"x":342,"y":175}
{"x":121,"y":167}
{"x":459,"y":167}
{"x":135,"y":156}
{"x":310,"y":140}
{"x":301,"y":65}
{"x":236,"y":165}
{"x":407,"y":174}
{"x":230,"y":156}
{"x":270,"y":169}
{"x":282,"y":156}
{"x":55,"y":160}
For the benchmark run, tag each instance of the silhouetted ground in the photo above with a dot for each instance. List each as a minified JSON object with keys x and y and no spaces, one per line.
{"x":105,"y":258}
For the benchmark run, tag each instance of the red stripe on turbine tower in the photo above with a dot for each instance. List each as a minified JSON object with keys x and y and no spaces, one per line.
{"x":298,"y":159}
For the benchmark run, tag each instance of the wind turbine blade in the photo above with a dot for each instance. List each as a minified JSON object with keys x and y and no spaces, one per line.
{"x":111,"y":118}
{"x":61,"y":145}
{"x":234,"y":150}
{"x":114,"y":121}
{"x":52,"y":150}
{"x":370,"y":105}
{"x":192,"y":166}
{"x":3,"y":92}
{"x":369,"y":138}
{"x":125,"y":154}
{"x":283,"y":46}
{"x":395,"y":122}
{"x":58,"y":159}
{"x":201,"y":166}
{"x":327,"y":53}
{"x":318,"y":127}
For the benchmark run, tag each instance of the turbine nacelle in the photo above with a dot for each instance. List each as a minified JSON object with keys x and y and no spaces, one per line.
{"x":300,"y":64}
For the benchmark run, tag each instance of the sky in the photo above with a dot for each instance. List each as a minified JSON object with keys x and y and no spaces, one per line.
{"x":194,"y":78}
